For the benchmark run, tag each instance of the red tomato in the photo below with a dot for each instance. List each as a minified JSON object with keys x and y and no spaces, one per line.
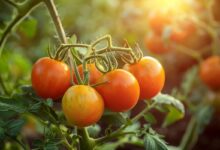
{"x":82,"y":105}
{"x":158,"y":21}
{"x":210,"y":72}
{"x":50,"y":78}
{"x":150,"y":75}
{"x":94,"y":73}
{"x":121,"y":90}
{"x":156,"y":45}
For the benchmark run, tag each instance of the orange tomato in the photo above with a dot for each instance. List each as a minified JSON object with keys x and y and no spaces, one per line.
{"x":82,"y":105}
{"x":156,"y":45}
{"x":150,"y":75}
{"x":121,"y":90}
{"x":210,"y":72}
{"x":50,"y":78}
{"x":158,"y":21}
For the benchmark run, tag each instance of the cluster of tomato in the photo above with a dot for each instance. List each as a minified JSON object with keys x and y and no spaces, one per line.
{"x":162,"y":22}
{"x":183,"y":32}
{"x":119,"y":91}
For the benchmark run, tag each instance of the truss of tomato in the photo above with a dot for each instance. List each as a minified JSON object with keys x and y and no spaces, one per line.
{"x":210,"y":72}
{"x":155,"y":44}
{"x":120,"y":90}
{"x":82,"y":105}
{"x":50,"y":78}
{"x":158,"y":20}
{"x":94,"y":73}
{"x":150,"y":75}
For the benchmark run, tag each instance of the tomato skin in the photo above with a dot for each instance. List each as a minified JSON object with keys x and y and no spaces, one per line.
{"x":156,"y":45}
{"x":82,"y":105}
{"x":121,"y":90}
{"x":158,"y":21}
{"x":184,"y":31}
{"x":150,"y":75}
{"x":50,"y":78}
{"x":210,"y":72}
{"x":94,"y":73}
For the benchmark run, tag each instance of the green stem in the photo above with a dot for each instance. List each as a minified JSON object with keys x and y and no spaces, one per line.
{"x":23,"y":11}
{"x":11,"y":3}
{"x":3,"y":86}
{"x":56,"y":19}
{"x":85,"y":142}
{"x":119,"y":132}
{"x":190,"y":135}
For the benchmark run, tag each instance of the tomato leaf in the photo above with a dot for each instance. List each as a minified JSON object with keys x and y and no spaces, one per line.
{"x":175,"y":108}
{"x":114,"y":119}
{"x":13,"y":127}
{"x":153,"y":141}
{"x":149,"y":117}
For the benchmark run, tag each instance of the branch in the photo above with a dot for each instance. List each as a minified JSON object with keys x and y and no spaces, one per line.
{"x":56,"y":19}
{"x":23,"y":11}
{"x":11,"y":3}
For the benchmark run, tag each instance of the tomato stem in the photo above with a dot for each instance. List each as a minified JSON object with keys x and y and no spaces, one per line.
{"x":85,"y":142}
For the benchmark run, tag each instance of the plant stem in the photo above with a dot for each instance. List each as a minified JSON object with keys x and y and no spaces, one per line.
{"x":119,"y":132}
{"x":190,"y":135}
{"x":85,"y":142}
{"x":11,"y":3}
{"x":139,"y":115}
{"x":23,"y":11}
{"x":56,"y":19}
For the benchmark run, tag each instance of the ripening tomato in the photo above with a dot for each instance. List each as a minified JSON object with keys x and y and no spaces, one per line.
{"x":156,"y":45}
{"x":210,"y":72}
{"x":183,"y":31}
{"x":82,"y":105}
{"x":50,"y":78}
{"x":121,"y":90}
{"x":150,"y":75}
{"x":94,"y":73}
{"x":159,"y":20}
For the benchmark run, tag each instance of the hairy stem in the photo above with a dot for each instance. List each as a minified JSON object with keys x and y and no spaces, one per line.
{"x":56,"y":19}
{"x":85,"y":142}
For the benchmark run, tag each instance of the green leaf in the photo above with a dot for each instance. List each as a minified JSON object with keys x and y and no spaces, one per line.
{"x":189,"y":79}
{"x":14,"y":127}
{"x":2,"y":133}
{"x":153,"y":141}
{"x":175,"y":108}
{"x":149,"y":117}
{"x":7,"y":104}
{"x":113,"y":118}
{"x":28,"y":27}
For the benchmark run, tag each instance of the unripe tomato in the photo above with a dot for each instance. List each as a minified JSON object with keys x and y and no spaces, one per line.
{"x":121,"y":90}
{"x":82,"y":105}
{"x":156,"y":45}
{"x":210,"y":72}
{"x":50,"y":78}
{"x":158,"y":21}
{"x":94,"y":73}
{"x":150,"y":75}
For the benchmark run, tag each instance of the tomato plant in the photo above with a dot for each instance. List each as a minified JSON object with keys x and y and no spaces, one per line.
{"x":150,"y":75}
{"x":112,"y":96}
{"x":120,"y":90}
{"x":82,"y":105}
{"x":50,"y":78}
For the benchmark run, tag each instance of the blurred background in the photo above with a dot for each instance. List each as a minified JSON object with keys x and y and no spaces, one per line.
{"x":180,"y":33}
